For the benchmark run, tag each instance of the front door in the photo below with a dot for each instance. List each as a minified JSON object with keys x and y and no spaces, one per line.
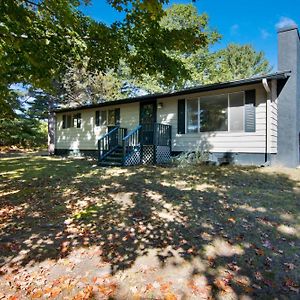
{"x":147,"y":120}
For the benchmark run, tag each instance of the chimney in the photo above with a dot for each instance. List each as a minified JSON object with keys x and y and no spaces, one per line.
{"x":288,"y":118}
{"x":288,"y":48}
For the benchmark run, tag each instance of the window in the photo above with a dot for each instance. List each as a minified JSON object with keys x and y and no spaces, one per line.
{"x":77,"y":120}
{"x":71,"y":120}
{"x":64,"y":124}
{"x":111,"y":120}
{"x":103,"y":118}
{"x":236,"y":102}
{"x":107,"y":117}
{"x":192,"y":116}
{"x":211,"y":113}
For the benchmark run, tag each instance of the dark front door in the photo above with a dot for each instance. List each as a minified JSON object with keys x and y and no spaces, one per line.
{"x":147,"y":120}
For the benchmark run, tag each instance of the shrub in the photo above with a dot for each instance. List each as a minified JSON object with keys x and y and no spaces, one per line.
{"x":197,"y":157}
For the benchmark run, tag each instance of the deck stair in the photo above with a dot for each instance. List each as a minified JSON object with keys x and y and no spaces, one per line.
{"x":119,"y":148}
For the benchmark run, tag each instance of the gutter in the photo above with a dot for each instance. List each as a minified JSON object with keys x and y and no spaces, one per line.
{"x":267,"y":142}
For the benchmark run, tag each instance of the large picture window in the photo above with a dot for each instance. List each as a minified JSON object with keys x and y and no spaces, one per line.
{"x":216,"y":113}
{"x":213,"y":113}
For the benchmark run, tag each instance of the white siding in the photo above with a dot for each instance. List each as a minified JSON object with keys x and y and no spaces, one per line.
{"x":247,"y":142}
{"x":86,"y":137}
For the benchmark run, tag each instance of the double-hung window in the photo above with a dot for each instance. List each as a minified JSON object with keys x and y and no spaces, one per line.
{"x":71,"y":120}
{"x":109,"y":117}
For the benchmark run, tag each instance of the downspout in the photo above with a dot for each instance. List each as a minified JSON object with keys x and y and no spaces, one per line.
{"x":268,"y":90}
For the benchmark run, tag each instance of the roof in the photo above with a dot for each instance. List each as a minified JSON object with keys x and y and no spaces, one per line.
{"x":186,"y":91}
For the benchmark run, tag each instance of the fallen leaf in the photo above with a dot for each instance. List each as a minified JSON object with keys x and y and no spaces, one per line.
{"x":136,"y":296}
{"x":55,"y":292}
{"x":165,"y":287}
{"x":37,"y":294}
{"x":170,"y":296}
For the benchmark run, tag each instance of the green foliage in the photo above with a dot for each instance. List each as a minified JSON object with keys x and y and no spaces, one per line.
{"x":238,"y":62}
{"x":83,"y":86}
{"x":232,"y":63}
{"x":186,"y":159}
{"x":23,"y":132}
{"x":9,"y":103}
{"x":39,"y":42}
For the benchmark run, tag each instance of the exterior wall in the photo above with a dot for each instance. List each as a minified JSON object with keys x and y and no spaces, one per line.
{"x":289,"y":98}
{"x":86,"y":137}
{"x":221,"y":142}
{"x":242,"y":147}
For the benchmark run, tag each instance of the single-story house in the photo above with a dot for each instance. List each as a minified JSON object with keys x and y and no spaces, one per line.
{"x":251,"y":121}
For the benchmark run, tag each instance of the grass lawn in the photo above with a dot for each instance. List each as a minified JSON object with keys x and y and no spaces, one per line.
{"x":69,"y":229}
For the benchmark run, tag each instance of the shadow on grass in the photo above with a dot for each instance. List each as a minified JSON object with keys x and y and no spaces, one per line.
{"x":241,"y":223}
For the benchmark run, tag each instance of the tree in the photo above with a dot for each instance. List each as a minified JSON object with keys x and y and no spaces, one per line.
{"x":82,"y":86}
{"x":205,"y":67}
{"x":40,"y":40}
{"x":185,"y":62}
{"x":238,"y":62}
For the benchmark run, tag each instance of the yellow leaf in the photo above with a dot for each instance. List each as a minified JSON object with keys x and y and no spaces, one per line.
{"x":170,"y":296}
{"x":37,"y":294}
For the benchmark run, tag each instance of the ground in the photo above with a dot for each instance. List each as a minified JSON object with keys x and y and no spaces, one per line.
{"x":72,"y":230}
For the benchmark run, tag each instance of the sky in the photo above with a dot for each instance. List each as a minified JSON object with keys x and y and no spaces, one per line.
{"x":253,"y":22}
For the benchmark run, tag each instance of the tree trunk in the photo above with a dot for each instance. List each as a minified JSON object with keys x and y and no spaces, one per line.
{"x":51,"y":127}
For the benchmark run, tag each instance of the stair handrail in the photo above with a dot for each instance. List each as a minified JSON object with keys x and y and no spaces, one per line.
{"x":103,"y":142}
{"x":109,"y":133}
{"x":133,"y":135}
{"x":132,"y":132}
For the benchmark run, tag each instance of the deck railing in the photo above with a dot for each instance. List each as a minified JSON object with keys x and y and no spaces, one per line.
{"x":162,"y":135}
{"x":110,"y":141}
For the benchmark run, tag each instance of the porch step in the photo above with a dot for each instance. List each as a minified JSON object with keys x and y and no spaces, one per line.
{"x":110,"y":164}
{"x":113,"y":159}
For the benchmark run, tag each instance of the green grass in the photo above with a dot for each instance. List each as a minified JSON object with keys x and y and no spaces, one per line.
{"x":244,"y":220}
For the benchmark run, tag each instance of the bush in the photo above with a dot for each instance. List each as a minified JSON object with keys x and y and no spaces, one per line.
{"x":23,"y":132}
{"x":197,"y":157}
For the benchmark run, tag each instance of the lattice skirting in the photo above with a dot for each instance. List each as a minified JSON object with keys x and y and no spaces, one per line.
{"x":163,"y":154}
{"x":134,"y":158}
{"x":149,"y":155}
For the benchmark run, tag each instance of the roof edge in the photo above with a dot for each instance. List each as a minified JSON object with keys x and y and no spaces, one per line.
{"x":187,"y":91}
